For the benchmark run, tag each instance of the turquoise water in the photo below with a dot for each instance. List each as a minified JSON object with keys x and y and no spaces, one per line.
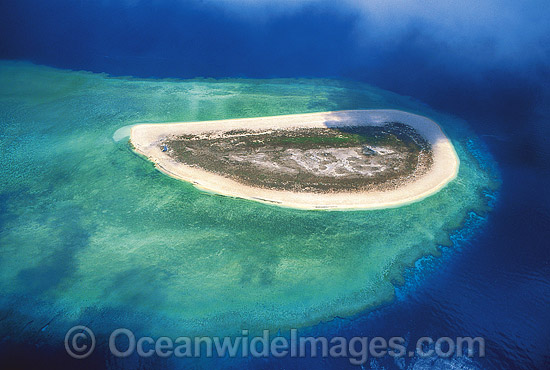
{"x":91,"y":232}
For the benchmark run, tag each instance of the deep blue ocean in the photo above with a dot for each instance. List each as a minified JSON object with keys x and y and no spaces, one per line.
{"x":494,"y":284}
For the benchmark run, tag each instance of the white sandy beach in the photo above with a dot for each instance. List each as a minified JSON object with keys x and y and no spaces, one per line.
{"x":146,"y":139}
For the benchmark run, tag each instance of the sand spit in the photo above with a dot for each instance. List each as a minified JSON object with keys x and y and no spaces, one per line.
{"x":146,"y":139}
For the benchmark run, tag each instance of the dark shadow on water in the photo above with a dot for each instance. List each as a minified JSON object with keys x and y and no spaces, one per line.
{"x":60,"y":264}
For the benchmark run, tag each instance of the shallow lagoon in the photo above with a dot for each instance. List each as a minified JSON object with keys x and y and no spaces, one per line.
{"x":92,"y":233}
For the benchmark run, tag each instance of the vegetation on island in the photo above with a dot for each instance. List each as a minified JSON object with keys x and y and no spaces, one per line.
{"x":355,"y":158}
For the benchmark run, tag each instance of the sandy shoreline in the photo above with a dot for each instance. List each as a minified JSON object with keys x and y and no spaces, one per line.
{"x":146,"y":137}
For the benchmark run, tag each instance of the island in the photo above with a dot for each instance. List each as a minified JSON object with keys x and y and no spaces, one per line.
{"x":355,"y":159}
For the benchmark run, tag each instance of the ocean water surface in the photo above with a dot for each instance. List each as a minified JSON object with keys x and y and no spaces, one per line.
{"x":93,"y":234}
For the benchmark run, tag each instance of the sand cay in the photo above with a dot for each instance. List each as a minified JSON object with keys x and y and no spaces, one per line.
{"x":150,"y":140}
